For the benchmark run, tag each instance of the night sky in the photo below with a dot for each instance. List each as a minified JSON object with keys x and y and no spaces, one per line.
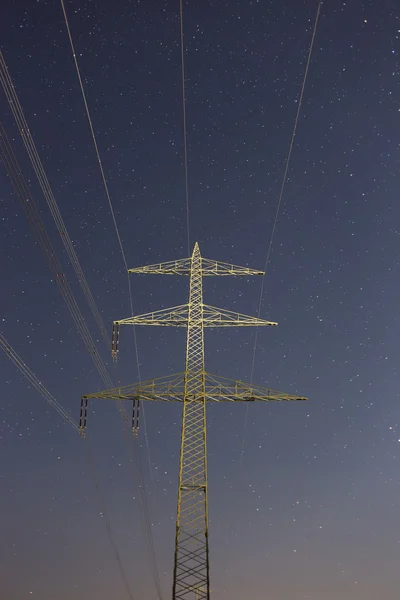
{"x":304,"y":500}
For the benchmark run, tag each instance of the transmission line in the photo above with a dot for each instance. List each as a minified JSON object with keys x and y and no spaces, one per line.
{"x":282,"y":188}
{"x":96,"y":147}
{"x":284,"y":178}
{"x":36,"y":222}
{"x":31,"y":377}
{"x":23,"y":193}
{"x":153,"y":559}
{"x":103,"y":176}
{"x":22,"y":124}
{"x":185,"y":152}
{"x":106,"y":519}
{"x":283,"y":184}
{"x":92,"y":132}
{"x":147,"y":520}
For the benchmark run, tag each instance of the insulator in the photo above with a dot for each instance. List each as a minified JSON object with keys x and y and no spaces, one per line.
{"x":83,"y":414}
{"x":115,"y":341}
{"x":135,"y":416}
{"x":117,"y":338}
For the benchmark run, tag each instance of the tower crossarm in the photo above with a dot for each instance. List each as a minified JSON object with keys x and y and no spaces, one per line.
{"x":177,"y":316}
{"x":222,"y":389}
{"x":183,"y":266}
{"x":173,"y":267}
{"x":220,"y":317}
{"x":217,"y":389}
{"x":163,"y":389}
{"x":215,"y":267}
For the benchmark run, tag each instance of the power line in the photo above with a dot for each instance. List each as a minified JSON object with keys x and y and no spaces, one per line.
{"x":36,"y":223}
{"x":284,"y":178}
{"x":37,"y":384}
{"x":143,"y":496}
{"x":93,"y":134}
{"x":152,"y":553}
{"x":31,"y":211}
{"x":22,"y":124}
{"x":107,"y":522}
{"x":282,"y":188}
{"x":96,"y":147}
{"x":30,"y":208}
{"x":147,"y":520}
{"x":31,"y":377}
{"x":185,"y":152}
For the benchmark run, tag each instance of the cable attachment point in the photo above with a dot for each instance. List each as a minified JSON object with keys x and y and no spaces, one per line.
{"x":135,"y":416}
{"x":83,"y":416}
{"x":115,"y":341}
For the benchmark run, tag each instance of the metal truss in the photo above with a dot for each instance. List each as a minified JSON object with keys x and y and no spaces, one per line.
{"x":193,"y":388}
{"x":171,"y":389}
{"x":183,"y":267}
{"x":178,"y":316}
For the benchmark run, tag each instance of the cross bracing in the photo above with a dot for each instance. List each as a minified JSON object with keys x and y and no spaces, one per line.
{"x":194,"y":387}
{"x":183,"y":267}
{"x":178,"y":316}
{"x":171,"y":389}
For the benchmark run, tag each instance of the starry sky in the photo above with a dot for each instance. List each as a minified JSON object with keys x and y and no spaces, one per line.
{"x":304,"y":498}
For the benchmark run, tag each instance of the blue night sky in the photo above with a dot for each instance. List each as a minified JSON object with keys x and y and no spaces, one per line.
{"x":304,"y":497}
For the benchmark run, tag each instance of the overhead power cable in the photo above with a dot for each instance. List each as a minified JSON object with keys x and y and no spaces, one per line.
{"x":107,"y":522}
{"x":185,"y":151}
{"x":93,"y":134}
{"x":278,"y":207}
{"x":23,"y":193}
{"x":31,"y":211}
{"x":282,"y":188}
{"x":143,"y":495}
{"x":144,"y":505}
{"x":103,"y":176}
{"x":22,"y":124}
{"x":284,"y":179}
{"x":31,"y":377}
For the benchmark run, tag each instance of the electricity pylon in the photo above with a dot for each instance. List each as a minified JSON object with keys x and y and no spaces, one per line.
{"x":194,"y":388}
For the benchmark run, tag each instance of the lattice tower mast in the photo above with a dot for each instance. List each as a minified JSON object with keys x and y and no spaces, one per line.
{"x":193,"y":388}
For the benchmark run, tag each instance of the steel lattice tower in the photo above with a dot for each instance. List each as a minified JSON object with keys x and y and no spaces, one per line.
{"x":193,"y":388}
